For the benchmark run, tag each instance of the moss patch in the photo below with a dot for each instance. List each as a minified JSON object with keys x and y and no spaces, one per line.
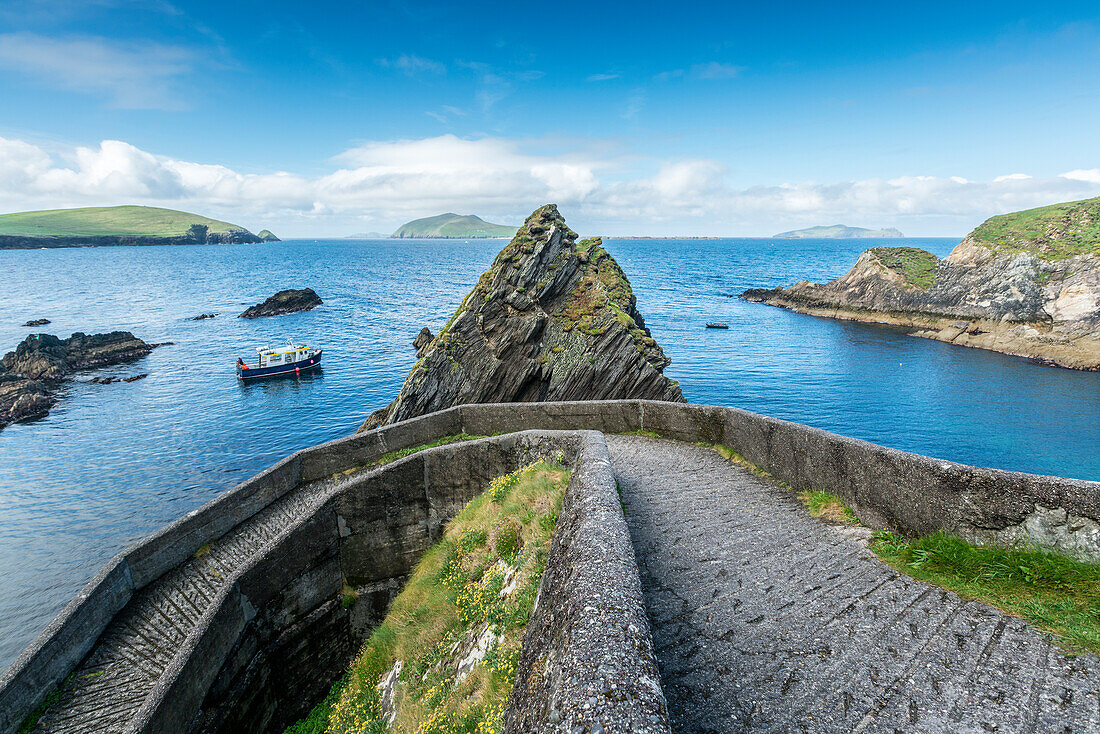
{"x":483,"y":574}
{"x":1054,"y":592}
{"x":917,"y":266}
{"x":1052,"y":233}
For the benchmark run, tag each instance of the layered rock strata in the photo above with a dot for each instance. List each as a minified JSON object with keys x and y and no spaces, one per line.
{"x":1026,"y":284}
{"x":554,"y":318}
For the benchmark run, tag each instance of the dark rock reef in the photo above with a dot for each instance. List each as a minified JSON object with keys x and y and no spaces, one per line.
{"x":203,"y":316}
{"x":554,"y":318}
{"x":1026,"y":284}
{"x":283,"y":302}
{"x":37,"y":322}
{"x":31,"y":375}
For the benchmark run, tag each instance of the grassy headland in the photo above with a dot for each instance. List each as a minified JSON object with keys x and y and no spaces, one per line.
{"x":917,"y":266}
{"x":115,"y":225}
{"x":1053,"y":232}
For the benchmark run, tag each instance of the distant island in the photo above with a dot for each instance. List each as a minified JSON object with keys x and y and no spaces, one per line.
{"x":453,"y":226}
{"x":1026,"y":283}
{"x":837,"y":232}
{"x":116,"y":225}
{"x":266,"y":235}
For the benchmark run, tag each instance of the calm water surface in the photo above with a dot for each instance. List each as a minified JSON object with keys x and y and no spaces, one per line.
{"x":114,"y":462}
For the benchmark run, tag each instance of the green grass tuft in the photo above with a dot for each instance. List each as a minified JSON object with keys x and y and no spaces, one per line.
{"x":917,"y":266}
{"x":455,"y":591}
{"x":1054,"y":592}
{"x":828,"y":506}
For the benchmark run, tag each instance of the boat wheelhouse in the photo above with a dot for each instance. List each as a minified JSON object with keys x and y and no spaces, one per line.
{"x":289,"y":360}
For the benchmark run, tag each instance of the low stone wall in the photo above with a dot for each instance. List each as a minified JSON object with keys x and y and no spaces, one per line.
{"x":587,"y":662}
{"x":278,"y":638}
{"x":280,"y":620}
{"x":887,"y":488}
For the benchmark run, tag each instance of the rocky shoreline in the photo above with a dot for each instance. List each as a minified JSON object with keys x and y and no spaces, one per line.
{"x":22,"y":242}
{"x":31,"y":375}
{"x":1031,"y":293}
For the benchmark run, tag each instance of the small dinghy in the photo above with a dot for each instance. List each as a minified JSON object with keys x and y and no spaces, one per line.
{"x":715,"y":325}
{"x":293,"y":359}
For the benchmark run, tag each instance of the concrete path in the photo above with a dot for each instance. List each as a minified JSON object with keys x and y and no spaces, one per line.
{"x":767,"y":620}
{"x":119,"y":674}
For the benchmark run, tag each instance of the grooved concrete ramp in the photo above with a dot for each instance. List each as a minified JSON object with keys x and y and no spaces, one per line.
{"x":767,"y":620}
{"x":118,"y":675}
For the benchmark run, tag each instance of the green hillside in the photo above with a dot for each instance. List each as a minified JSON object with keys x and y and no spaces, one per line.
{"x":1053,"y":232}
{"x":129,"y":221}
{"x":454,"y":225}
{"x":838,"y":231}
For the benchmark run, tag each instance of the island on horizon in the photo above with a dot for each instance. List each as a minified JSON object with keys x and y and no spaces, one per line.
{"x":118,"y":225}
{"x":453,"y":226}
{"x":838,"y":232}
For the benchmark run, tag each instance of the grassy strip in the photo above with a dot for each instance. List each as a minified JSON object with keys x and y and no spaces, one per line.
{"x":482,"y":575}
{"x":640,"y":432}
{"x":402,"y":453}
{"x":1054,"y":592}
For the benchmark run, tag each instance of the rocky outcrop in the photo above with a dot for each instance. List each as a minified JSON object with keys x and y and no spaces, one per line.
{"x":283,"y":302}
{"x":422,"y":341}
{"x":198,"y":234}
{"x":1026,"y":284}
{"x":266,"y":235}
{"x":30,"y":376}
{"x":37,"y":322}
{"x":203,"y":316}
{"x":554,"y":318}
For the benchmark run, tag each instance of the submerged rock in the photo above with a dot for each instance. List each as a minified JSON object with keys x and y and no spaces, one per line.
{"x":37,"y":322}
{"x":30,"y":375}
{"x":1026,"y":284}
{"x":283,"y":302}
{"x":202,"y":316}
{"x":554,"y":318}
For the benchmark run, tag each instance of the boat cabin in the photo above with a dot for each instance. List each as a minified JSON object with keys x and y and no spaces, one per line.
{"x":281,"y":356}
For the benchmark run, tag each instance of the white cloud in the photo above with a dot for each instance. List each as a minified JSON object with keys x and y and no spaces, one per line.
{"x":390,"y":181}
{"x":135,"y":75}
{"x":601,"y":77}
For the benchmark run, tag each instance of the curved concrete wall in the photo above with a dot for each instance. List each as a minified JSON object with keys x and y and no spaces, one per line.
{"x":887,"y":488}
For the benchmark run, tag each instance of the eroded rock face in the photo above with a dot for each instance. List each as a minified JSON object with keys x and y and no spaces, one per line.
{"x":1025,"y":302}
{"x":554,"y":318}
{"x":422,"y":341}
{"x":30,"y":375}
{"x":283,"y":302}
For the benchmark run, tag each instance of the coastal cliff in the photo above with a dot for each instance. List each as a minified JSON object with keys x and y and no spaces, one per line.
{"x":554,"y":318}
{"x":1026,"y":284}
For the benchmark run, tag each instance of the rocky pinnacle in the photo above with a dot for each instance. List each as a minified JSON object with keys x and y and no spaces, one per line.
{"x":554,"y":318}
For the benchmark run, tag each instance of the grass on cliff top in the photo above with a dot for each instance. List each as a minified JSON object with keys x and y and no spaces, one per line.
{"x":147,"y":221}
{"x":917,"y":266}
{"x":1054,"y":592}
{"x":1052,"y":233}
{"x":456,"y":591}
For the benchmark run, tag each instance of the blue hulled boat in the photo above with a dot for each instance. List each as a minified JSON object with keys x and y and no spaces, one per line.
{"x":293,"y":359}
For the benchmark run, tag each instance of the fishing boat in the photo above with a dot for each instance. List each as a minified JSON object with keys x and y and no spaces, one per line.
{"x":293,"y":359}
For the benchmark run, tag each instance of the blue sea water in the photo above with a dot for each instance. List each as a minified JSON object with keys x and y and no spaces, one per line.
{"x":115,"y":462}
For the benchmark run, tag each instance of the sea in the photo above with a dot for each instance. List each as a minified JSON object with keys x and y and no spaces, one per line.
{"x":113,"y":463}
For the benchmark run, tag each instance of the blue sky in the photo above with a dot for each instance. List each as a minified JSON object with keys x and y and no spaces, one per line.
{"x":636,"y":118}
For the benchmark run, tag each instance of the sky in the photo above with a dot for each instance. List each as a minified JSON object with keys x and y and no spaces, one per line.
{"x":635,"y":118}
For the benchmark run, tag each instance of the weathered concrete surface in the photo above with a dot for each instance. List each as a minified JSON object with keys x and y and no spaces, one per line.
{"x":767,"y":620}
{"x":587,"y":662}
